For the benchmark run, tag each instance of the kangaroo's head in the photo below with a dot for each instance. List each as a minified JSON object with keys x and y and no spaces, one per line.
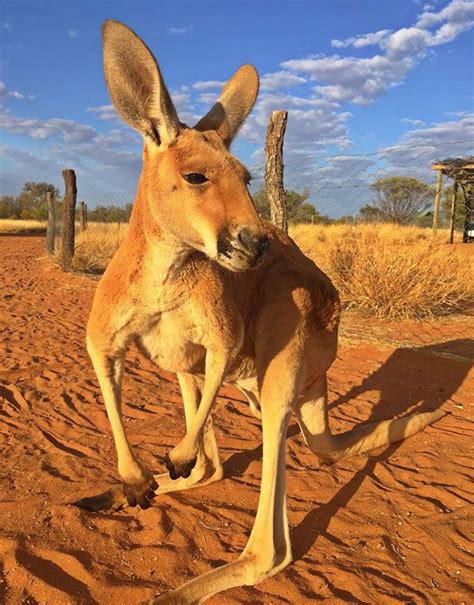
{"x":191,"y":185}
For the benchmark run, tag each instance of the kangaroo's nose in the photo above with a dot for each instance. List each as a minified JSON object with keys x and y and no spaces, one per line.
{"x":256,"y":245}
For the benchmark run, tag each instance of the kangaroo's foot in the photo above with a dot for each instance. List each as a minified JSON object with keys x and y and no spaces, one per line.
{"x":141,"y":491}
{"x":179,"y":469}
{"x":204,"y":473}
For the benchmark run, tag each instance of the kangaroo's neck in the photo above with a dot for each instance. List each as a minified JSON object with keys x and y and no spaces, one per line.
{"x":160,"y":256}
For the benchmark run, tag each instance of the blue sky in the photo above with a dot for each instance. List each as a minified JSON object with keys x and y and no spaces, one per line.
{"x":356,"y":77}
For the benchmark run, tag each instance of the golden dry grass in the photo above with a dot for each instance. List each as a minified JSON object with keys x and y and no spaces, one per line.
{"x":385,"y":271}
{"x":18,"y":226}
{"x":95,"y":246}
{"x":392,"y":272}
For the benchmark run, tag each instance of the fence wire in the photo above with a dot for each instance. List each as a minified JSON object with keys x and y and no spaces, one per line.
{"x":438,"y":277}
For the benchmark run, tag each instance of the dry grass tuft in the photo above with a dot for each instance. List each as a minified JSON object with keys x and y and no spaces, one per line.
{"x":19,"y":226}
{"x":95,"y":246}
{"x":391,"y":272}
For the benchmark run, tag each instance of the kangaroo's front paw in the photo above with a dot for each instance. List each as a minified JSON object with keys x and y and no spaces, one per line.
{"x":140,"y":491}
{"x":179,"y":469}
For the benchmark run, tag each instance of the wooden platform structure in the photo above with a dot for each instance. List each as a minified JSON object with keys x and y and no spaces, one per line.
{"x":461,"y":170}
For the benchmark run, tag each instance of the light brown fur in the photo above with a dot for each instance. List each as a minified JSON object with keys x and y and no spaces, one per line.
{"x":211,"y":316}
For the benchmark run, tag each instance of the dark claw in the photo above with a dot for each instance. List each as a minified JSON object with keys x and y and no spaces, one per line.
{"x":140,"y":493}
{"x":169,"y":465}
{"x":129,"y":494}
{"x":183,"y":471}
{"x":186,"y":471}
{"x":144,"y":503}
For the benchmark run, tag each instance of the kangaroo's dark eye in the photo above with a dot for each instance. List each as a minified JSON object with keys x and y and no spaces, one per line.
{"x":195,"y":178}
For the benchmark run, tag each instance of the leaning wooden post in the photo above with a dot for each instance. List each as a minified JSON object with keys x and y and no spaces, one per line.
{"x":83,"y":215}
{"x":437,"y":198}
{"x":274,"y":169}
{"x":452,"y":219}
{"x":51,"y":227}
{"x":69,"y":215}
{"x":468,"y":191}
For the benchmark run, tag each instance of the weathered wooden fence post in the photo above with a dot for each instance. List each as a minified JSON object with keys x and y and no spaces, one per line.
{"x":69,"y":215}
{"x":51,"y":227}
{"x":468,"y":191}
{"x":439,"y":184}
{"x":274,"y":188}
{"x":452,"y":217}
{"x":83,"y":215}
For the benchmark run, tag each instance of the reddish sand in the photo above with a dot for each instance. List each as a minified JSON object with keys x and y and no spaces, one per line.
{"x":392,"y":527}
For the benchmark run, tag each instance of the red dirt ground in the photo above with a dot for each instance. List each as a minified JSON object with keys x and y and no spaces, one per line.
{"x":391,"y":527}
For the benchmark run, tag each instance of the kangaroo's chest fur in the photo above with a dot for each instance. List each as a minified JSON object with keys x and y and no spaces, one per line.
{"x":174,"y":342}
{"x":198,"y":315}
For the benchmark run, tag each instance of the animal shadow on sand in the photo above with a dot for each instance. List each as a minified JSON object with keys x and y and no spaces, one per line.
{"x":411,"y":380}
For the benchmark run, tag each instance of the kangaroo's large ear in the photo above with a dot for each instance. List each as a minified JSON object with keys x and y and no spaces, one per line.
{"x":233,"y":106}
{"x":136,"y":85}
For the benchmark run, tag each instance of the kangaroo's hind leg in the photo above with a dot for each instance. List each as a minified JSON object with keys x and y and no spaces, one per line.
{"x":311,"y":412}
{"x":249,"y":388}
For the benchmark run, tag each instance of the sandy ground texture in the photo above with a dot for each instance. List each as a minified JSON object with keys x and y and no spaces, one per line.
{"x":391,"y":527}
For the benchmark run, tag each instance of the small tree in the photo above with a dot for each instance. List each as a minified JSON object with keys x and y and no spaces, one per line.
{"x":370,"y":213}
{"x":9,"y":207}
{"x":32,"y":200}
{"x":400,"y":198}
{"x":110,"y":214}
{"x":299,"y":210}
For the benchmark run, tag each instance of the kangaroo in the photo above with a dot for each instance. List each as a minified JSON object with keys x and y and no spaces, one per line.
{"x":210,"y":291}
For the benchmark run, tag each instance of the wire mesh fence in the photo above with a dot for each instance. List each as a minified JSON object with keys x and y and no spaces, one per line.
{"x":340,"y":185}
{"x":398,"y":283}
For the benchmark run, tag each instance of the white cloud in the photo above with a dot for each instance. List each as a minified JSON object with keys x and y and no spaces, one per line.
{"x":418,"y":148}
{"x":104,"y":112}
{"x":107,"y":161}
{"x":103,"y":161}
{"x":412,"y":122}
{"x":100,"y":168}
{"x":408,"y":41}
{"x":312,"y":122}
{"x":444,"y":135}
{"x":73,"y":33}
{"x":363,"y":80}
{"x":208,"y":98}
{"x":26,"y":166}
{"x":280,"y":79}
{"x":457,"y":114}
{"x":362,"y":40}
{"x":178,"y":31}
{"x":359,"y":81}
{"x":184,"y":105}
{"x":68,"y":130}
{"x":12,"y":94}
{"x":181,"y":99}
{"x":457,"y":11}
{"x":208,"y":84}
